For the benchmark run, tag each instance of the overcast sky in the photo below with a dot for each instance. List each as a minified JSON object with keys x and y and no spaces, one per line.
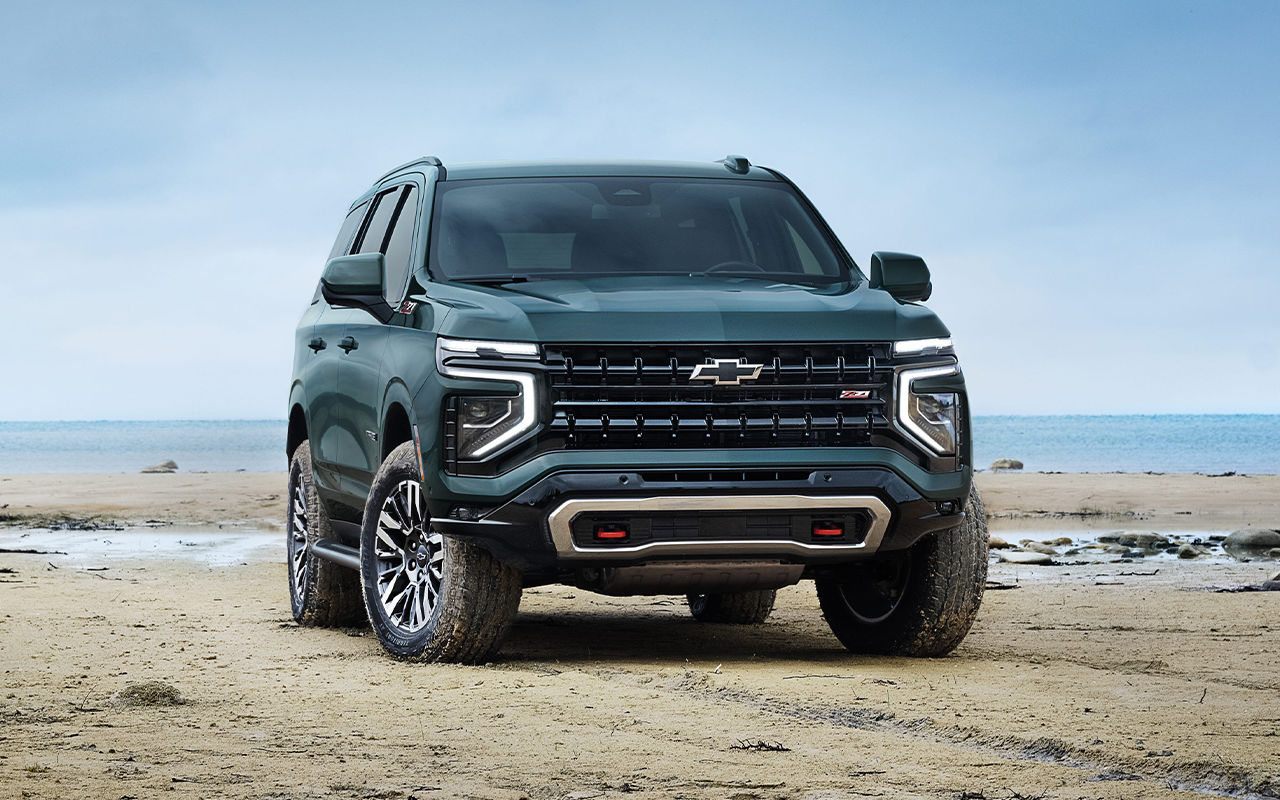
{"x":1093,"y":185}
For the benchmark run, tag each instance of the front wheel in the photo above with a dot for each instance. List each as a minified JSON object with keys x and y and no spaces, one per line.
{"x":916,"y":602}
{"x":429,"y":597}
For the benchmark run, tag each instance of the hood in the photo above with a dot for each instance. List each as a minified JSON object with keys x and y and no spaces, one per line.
{"x":678,"y":309}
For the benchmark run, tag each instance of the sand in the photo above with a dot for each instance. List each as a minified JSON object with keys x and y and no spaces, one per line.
{"x":1117,"y":680}
{"x":1086,"y":500}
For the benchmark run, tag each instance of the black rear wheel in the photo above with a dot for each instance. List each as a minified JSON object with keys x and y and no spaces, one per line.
{"x":738,"y":608}
{"x":916,"y":602}
{"x":321,"y":593}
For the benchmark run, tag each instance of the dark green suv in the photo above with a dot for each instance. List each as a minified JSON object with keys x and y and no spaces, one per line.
{"x":630,"y":377}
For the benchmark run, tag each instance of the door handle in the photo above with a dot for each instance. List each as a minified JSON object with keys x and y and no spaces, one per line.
{"x":348,"y":343}
{"x":317,"y":344}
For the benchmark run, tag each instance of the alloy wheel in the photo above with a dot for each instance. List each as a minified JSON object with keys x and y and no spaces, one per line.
{"x":299,"y":530}
{"x":409,"y":558}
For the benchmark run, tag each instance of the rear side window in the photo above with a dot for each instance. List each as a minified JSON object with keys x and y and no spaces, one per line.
{"x":400,"y":245}
{"x":375,"y":233}
{"x":342,"y":245}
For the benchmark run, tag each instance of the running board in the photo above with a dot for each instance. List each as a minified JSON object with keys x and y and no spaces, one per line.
{"x":338,"y":553}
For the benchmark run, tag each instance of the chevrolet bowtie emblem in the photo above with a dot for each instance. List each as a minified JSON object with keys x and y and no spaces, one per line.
{"x":726,"y":371}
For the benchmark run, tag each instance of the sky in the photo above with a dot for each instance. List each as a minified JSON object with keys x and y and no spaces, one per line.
{"x":1095,"y":185}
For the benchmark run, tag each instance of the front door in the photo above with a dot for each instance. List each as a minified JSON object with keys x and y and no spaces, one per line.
{"x":390,"y":231}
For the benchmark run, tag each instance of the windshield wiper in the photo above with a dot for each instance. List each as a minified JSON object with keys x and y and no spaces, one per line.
{"x":778,"y":277}
{"x":493,"y":280}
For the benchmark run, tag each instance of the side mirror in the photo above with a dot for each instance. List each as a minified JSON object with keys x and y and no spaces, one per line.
{"x":356,"y":282}
{"x":901,"y":274}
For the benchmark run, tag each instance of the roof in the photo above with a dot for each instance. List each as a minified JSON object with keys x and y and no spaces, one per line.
{"x":600,"y":168}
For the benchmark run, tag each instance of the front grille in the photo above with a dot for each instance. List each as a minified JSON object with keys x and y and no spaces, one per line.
{"x":642,"y":396}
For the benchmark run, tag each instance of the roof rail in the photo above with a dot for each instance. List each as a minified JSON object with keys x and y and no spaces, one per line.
{"x":430,"y":161}
{"x":737,"y":164}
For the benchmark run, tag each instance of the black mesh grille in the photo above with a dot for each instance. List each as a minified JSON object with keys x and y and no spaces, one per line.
{"x":644,"y":396}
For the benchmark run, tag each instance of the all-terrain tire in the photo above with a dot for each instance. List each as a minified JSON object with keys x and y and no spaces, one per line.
{"x":321,"y":593}
{"x":738,"y":608}
{"x":932,"y":595}
{"x":469,"y":598}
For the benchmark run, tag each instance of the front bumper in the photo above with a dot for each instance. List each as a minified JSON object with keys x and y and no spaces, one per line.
{"x":535,"y":529}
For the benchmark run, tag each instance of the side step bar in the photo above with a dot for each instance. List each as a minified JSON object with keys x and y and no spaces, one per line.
{"x":338,"y":553}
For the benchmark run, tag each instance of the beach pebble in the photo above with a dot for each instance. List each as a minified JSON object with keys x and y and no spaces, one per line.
{"x":1189,"y":551}
{"x":1024,"y":557}
{"x":1274,"y":553}
{"x":996,"y":543}
{"x":1036,"y":547}
{"x":1006,"y":463}
{"x":1061,"y":541}
{"x":163,"y":466}
{"x":1147,"y":540}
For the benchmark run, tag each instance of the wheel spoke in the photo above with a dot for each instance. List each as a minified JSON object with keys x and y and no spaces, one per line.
{"x":384,"y":535}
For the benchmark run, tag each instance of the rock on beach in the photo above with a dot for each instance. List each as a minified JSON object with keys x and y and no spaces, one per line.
{"x":1147,"y":540}
{"x":1252,"y":542}
{"x":1024,"y":557}
{"x":1005,"y":463}
{"x":167,"y":465}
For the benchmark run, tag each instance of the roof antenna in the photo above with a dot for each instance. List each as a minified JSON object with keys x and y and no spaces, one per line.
{"x":738,"y":164}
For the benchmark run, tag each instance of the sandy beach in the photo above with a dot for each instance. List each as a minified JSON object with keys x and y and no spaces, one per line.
{"x":1118,"y":679}
{"x":1013,"y":500}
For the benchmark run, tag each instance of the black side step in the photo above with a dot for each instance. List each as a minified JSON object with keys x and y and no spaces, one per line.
{"x":338,"y":553}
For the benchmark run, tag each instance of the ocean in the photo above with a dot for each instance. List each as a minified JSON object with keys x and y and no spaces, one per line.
{"x":1247,"y":443}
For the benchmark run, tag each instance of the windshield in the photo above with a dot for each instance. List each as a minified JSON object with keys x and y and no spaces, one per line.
{"x":534,"y":228}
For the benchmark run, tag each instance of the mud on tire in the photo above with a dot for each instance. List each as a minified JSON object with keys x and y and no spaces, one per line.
{"x":428,"y":597}
{"x":739,"y":608}
{"x":920,"y":602}
{"x":321,"y":593}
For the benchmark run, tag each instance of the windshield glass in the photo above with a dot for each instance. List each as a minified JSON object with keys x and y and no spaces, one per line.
{"x":531,"y":228}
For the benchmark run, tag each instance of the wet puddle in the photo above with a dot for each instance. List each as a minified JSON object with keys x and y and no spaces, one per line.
{"x":211,"y":547}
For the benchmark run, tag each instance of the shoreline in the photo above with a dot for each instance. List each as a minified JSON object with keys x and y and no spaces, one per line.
{"x":1014,"y":500}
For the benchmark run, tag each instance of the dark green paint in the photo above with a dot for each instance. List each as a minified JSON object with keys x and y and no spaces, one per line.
{"x":346,"y":393}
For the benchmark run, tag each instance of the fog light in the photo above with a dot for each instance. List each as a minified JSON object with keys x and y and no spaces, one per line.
{"x":828,"y":529}
{"x":614,"y":532}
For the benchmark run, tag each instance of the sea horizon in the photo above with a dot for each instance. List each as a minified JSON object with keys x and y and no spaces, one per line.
{"x":1171,"y":443}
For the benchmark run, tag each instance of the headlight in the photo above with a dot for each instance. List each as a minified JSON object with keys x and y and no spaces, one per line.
{"x":477,"y":348}
{"x":929,"y":417}
{"x":922,"y":347}
{"x":486,"y":424}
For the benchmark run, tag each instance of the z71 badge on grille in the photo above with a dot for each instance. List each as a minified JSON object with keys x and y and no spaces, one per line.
{"x":726,"y":371}
{"x":855,"y":394}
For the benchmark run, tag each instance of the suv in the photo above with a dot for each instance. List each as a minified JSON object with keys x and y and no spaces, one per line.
{"x":634,"y":378}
